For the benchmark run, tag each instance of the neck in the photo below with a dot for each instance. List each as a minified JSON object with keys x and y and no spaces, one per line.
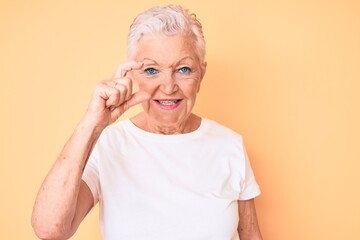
{"x":190,"y":124}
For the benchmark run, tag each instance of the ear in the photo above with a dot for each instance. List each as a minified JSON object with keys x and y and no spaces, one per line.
{"x":203,"y":71}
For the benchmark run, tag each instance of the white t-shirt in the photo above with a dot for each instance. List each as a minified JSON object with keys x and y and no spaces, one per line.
{"x":169,"y":187}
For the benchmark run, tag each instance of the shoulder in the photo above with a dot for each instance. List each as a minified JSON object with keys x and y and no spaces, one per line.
{"x":213,"y":128}
{"x":222,"y":137}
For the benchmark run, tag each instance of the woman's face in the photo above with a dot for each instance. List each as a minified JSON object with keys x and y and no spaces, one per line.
{"x":171,"y":74}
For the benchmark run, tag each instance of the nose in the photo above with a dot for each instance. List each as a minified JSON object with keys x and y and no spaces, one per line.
{"x":169,"y":84}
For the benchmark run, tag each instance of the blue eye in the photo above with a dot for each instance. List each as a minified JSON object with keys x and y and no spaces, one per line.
{"x":184,"y":70}
{"x":151,"y":71}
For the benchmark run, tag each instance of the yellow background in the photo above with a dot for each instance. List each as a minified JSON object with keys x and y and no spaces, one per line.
{"x":284,"y":74}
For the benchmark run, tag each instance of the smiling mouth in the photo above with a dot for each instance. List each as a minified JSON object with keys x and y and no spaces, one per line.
{"x":168,"y":102}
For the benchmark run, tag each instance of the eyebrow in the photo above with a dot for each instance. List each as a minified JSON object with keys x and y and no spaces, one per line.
{"x":154,"y":62}
{"x":185,"y":58}
{"x":149,"y":59}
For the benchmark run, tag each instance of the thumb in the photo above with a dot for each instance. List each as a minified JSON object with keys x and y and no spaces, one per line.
{"x":137,"y":98}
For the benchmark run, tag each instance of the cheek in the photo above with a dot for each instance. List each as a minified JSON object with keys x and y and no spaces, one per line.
{"x":141,"y":82}
{"x":145,"y":85}
{"x":191,"y":90}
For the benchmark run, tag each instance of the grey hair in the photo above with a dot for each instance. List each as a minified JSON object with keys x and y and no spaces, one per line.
{"x":169,"y":21}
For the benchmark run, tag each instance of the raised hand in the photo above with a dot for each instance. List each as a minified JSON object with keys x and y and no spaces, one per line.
{"x":112,"y":97}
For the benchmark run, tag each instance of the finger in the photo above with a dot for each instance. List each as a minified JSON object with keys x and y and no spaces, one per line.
{"x":123,"y":69}
{"x":112,"y":98}
{"x":126,"y":84}
{"x":137,"y":98}
{"x":113,"y":95}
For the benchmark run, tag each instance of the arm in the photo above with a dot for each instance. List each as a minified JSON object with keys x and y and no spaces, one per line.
{"x":248,"y":227}
{"x":64,"y":199}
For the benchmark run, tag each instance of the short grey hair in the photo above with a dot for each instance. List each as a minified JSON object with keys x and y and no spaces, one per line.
{"x":168,"y":20}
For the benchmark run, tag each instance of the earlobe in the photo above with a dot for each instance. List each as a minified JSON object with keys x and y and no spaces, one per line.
{"x":205,"y":64}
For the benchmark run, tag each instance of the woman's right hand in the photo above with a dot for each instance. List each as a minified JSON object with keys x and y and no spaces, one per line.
{"x":112,"y":97}
{"x":64,"y":199}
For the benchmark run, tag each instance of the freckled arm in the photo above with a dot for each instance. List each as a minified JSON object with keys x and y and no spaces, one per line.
{"x":248,"y":227}
{"x":64,"y":199}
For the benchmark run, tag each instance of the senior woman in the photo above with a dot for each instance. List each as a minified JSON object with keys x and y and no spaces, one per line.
{"x":163,"y":174}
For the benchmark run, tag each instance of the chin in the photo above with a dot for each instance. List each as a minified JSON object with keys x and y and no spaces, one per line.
{"x":169,"y":120}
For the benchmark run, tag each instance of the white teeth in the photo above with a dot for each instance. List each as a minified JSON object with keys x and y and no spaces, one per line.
{"x":167,"y":102}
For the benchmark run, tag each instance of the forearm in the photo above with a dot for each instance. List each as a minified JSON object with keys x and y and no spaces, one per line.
{"x":55,"y":206}
{"x":248,"y":227}
{"x":251,"y":233}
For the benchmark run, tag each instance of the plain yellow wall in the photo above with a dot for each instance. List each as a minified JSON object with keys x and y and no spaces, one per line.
{"x":284,"y":74}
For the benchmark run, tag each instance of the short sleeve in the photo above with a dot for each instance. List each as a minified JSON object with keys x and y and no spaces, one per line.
{"x":248,"y":185}
{"x":91,"y":177}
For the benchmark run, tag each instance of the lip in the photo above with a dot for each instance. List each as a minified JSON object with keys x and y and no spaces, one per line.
{"x":168,"y":104}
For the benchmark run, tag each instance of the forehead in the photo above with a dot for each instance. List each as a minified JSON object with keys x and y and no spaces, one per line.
{"x":165,"y":49}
